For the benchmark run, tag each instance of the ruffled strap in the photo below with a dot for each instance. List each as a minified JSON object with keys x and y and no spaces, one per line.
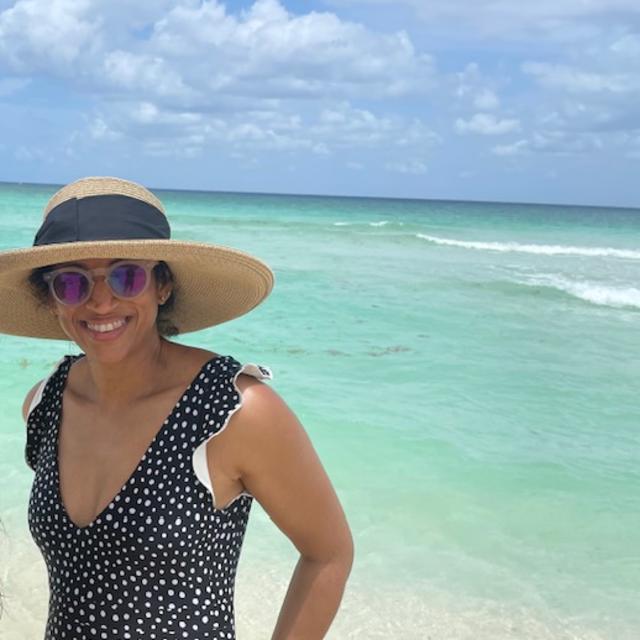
{"x":37,"y":424}
{"x":200,"y":465}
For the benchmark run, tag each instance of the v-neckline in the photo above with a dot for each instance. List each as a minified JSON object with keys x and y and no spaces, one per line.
{"x":56,"y":440}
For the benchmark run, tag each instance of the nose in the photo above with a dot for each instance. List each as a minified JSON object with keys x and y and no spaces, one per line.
{"x":101,"y":295}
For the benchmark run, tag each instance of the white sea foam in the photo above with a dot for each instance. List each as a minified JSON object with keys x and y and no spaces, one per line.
{"x":541,"y":249}
{"x":593,"y":292}
{"x":379,"y":223}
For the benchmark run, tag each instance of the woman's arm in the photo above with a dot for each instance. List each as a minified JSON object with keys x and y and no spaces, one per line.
{"x":278,"y":465}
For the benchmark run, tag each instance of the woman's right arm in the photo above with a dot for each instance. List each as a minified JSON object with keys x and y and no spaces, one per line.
{"x":27,"y":401}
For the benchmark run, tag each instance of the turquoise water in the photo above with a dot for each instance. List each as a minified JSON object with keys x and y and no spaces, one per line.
{"x":468,"y":373}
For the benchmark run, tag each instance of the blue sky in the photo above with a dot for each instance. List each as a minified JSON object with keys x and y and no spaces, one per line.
{"x":485,"y":100}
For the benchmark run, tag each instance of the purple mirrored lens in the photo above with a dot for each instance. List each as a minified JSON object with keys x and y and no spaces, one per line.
{"x":128,"y":280}
{"x":71,"y":287}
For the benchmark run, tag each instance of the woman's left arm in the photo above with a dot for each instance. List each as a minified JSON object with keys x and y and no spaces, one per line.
{"x":278,"y":465}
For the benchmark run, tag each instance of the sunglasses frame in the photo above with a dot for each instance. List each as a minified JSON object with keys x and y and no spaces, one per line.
{"x":50,"y":276}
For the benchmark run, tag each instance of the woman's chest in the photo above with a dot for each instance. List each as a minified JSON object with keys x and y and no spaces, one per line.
{"x":100,"y":456}
{"x":96,"y":491}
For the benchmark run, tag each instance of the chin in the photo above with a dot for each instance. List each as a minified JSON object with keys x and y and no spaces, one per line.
{"x":108,"y":348}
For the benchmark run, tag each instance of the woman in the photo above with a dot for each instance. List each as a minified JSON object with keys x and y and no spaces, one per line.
{"x":147,"y":453}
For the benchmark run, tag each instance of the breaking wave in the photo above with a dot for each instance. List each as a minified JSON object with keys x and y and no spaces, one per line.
{"x":380,"y":223}
{"x":592,"y":292}
{"x":541,"y":249}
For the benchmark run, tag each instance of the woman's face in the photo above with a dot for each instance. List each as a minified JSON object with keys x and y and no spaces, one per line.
{"x":108,"y":328}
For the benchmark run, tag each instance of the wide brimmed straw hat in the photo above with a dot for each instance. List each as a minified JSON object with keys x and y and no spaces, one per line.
{"x":114,"y":218}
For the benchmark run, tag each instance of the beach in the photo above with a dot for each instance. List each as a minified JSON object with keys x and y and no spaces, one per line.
{"x":468,"y":374}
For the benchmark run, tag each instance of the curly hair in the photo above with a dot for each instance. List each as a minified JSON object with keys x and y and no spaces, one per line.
{"x":162,"y":274}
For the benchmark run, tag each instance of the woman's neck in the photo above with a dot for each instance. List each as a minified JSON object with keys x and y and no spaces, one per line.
{"x":114,"y":385}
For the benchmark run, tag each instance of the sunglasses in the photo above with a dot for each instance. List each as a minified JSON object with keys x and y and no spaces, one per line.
{"x":126,"y":279}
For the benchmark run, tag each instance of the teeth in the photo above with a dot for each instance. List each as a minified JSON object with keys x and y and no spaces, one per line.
{"x":103,"y":328}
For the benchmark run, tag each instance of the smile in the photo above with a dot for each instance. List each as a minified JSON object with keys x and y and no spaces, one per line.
{"x":105,"y":327}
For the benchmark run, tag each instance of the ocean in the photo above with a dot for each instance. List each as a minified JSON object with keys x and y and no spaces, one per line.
{"x":469,"y":375}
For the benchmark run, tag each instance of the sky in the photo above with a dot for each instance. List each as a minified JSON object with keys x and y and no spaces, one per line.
{"x":447,"y":99}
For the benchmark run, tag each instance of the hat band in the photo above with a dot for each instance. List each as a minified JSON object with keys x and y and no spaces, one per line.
{"x":105,"y":217}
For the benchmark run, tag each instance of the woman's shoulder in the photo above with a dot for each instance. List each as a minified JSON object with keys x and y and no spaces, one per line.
{"x":188,"y":357}
{"x":195,"y":359}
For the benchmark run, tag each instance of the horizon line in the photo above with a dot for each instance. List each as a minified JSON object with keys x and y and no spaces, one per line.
{"x":353,"y":197}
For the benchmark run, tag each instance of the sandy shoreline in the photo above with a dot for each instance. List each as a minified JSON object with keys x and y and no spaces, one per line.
{"x":368,"y":612}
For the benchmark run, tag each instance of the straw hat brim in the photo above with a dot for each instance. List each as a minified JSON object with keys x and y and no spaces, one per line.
{"x":213,"y":283}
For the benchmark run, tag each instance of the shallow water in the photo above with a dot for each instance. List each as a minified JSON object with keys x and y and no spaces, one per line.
{"x":468,"y":373}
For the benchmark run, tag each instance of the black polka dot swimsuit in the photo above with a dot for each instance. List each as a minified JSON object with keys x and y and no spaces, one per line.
{"x":160,"y":560}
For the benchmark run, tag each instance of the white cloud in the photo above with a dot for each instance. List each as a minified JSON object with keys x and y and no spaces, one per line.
{"x":514,"y":149}
{"x":347,"y":126}
{"x":147,"y":113}
{"x":566,"y":20}
{"x":185,"y":74}
{"x":487,"y":124}
{"x":566,"y":143}
{"x":585,"y":76}
{"x":411,"y":167}
{"x":486,"y":100}
{"x":25,"y":153}
{"x":475,"y":89}
{"x":10,"y":86}
{"x":144,"y":74}
{"x":468,"y":79}
{"x":590,"y":96}
{"x":560,"y":143}
{"x":99,"y":130}
{"x":628,"y":45}
{"x":269,"y":51}
{"x":36,"y":35}
{"x":320,"y":131}
{"x":572,"y":79}
{"x":194,"y":52}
